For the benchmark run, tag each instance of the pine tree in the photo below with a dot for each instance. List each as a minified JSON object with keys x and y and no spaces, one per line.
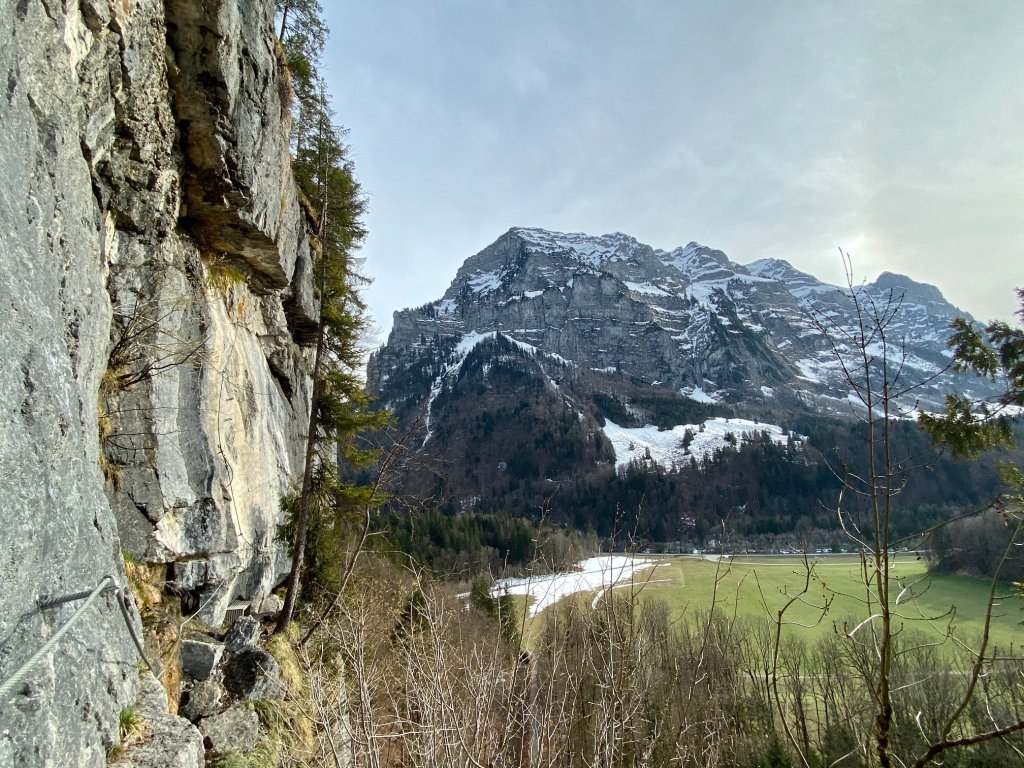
{"x":338,"y":412}
{"x":303,"y":34}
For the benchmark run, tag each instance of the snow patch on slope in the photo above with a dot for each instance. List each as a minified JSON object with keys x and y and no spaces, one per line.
{"x":454,"y":365}
{"x":484,"y":282}
{"x":590,"y":250}
{"x":646,"y":288}
{"x":701,"y":396}
{"x":459,"y":354}
{"x":665,"y":447}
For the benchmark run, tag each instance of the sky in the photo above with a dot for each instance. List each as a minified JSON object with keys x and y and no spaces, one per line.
{"x":893,"y":130}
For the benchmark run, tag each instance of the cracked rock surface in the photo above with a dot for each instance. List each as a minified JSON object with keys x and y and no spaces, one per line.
{"x":154,"y":285}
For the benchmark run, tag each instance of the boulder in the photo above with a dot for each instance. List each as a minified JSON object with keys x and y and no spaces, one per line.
{"x":254,"y":674}
{"x":271,"y":604}
{"x":204,"y":700}
{"x":245,"y":631}
{"x":200,"y":654}
{"x":236,"y":729}
{"x":173,"y":741}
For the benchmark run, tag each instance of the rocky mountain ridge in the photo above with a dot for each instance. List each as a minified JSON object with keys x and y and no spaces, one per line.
{"x":555,"y":361}
{"x":689,"y":319}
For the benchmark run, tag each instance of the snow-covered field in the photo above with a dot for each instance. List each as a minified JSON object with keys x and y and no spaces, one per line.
{"x":666,"y":447}
{"x":596,"y":574}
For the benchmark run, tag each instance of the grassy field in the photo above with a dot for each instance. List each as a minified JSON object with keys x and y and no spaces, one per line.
{"x":746,"y":585}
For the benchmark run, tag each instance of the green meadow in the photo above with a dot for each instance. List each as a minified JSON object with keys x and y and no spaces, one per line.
{"x":759,"y":586}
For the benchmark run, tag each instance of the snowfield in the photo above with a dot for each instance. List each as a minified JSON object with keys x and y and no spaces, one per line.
{"x":701,"y":396}
{"x":666,"y":447}
{"x":596,"y":574}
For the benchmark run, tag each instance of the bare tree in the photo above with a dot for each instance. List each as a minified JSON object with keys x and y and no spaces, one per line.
{"x":881,"y":656}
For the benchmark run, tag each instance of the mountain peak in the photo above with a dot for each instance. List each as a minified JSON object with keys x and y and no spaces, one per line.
{"x":592,"y":250}
{"x":693,"y":245}
{"x":912,"y":289}
{"x":677,"y":321}
{"x":776,"y":269}
{"x":701,"y":263}
{"x":800,"y":284}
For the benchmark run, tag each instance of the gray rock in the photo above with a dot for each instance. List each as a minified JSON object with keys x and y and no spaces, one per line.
{"x":203,"y":700}
{"x":270,"y":605}
{"x":254,"y":674}
{"x":236,"y":729}
{"x":687,"y":320}
{"x":197,"y":425}
{"x":173,"y":741}
{"x":200,"y":655}
{"x":237,"y":179}
{"x":245,"y":631}
{"x":59,"y":535}
{"x":202,"y":453}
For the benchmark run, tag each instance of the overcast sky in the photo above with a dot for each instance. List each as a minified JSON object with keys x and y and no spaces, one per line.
{"x":894,"y":130}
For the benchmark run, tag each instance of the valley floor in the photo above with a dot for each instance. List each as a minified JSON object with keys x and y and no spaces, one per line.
{"x":757,"y":586}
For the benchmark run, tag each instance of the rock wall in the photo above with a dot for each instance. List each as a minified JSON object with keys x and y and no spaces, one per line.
{"x":155,"y":290}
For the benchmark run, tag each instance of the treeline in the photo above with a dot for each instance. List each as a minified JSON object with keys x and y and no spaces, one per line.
{"x":760,"y":489}
{"x":982,"y":546}
{"x":765,"y":488}
{"x":664,"y":411}
{"x":460,"y":547}
{"x":763,"y":496}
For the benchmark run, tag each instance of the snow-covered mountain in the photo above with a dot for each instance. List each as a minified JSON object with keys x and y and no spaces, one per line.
{"x":688,"y":320}
{"x":583,"y":376}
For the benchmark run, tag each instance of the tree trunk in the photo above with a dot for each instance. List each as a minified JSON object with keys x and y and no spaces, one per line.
{"x":305,"y":495}
{"x":306,"y":492}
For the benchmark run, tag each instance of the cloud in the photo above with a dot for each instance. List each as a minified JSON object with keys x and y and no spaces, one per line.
{"x":888,"y":129}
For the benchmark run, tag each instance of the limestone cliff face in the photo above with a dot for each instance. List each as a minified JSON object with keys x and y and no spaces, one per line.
{"x":155,"y":294}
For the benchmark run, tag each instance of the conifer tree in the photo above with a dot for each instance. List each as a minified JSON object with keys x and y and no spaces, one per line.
{"x":303,"y":34}
{"x":996,"y":352}
{"x":338,"y":411}
{"x":301,"y":29}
